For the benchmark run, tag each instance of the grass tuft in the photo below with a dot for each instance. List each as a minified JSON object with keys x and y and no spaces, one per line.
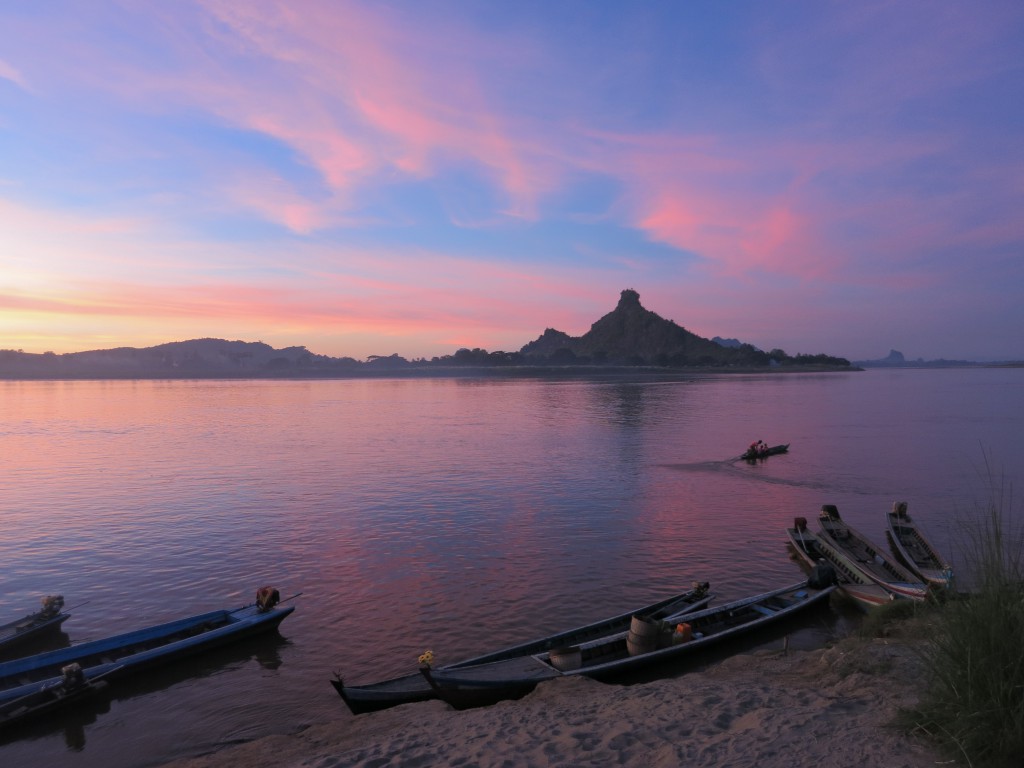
{"x":892,"y":618}
{"x":974,"y":701}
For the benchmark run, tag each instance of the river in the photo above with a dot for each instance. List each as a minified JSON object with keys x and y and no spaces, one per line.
{"x":458,"y":515}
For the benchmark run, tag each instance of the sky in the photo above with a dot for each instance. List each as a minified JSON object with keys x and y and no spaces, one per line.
{"x":376,"y":178}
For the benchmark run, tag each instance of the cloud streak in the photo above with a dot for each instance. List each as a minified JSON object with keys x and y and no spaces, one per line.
{"x":481,"y":174}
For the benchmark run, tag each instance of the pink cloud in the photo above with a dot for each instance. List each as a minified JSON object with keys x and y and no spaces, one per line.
{"x":365,"y":90}
{"x":361,"y":94}
{"x":11,"y":74}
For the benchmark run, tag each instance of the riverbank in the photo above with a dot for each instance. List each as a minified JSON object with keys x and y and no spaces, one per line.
{"x":773,"y":709}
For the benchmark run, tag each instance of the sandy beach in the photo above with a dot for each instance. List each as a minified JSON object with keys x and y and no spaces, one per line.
{"x":826,"y":707}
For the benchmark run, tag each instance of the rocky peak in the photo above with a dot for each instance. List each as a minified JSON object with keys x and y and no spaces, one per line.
{"x":629,"y":299}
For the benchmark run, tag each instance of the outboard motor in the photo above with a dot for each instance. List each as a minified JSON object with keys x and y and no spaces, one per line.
{"x":52,"y":605}
{"x":822,"y":575}
{"x":72,"y":676}
{"x":267,"y":598}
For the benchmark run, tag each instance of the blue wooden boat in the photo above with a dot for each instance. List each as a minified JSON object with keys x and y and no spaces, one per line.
{"x":125,"y":654}
{"x":413,"y":687}
{"x":15,"y":635}
{"x":646,"y":644}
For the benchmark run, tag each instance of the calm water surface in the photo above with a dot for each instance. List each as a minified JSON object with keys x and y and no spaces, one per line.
{"x":455,"y":515}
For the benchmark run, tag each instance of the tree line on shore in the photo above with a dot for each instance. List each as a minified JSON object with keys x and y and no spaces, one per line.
{"x":629,"y":336}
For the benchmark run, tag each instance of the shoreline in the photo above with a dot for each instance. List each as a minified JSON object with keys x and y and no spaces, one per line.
{"x":541,"y":372}
{"x":772,"y":708}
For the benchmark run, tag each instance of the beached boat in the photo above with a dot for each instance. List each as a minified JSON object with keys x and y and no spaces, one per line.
{"x":646,"y":644}
{"x":16,"y":634}
{"x":855,"y":584}
{"x":868,"y":558}
{"x":120,"y":655}
{"x":413,"y":687}
{"x":752,"y":454}
{"x":917,"y":553}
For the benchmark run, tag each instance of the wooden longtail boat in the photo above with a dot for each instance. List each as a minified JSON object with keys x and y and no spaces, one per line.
{"x":646,"y":644}
{"x":868,"y":558}
{"x":916,"y":552}
{"x":120,"y":655}
{"x":414,"y":687}
{"x":15,"y":634}
{"x":852,"y":581}
{"x":752,"y":455}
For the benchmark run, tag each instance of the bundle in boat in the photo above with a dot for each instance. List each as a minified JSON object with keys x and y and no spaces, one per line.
{"x":646,"y":635}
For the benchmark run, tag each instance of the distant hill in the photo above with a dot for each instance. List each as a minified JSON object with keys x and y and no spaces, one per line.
{"x":632,"y":335}
{"x":180,"y":359}
{"x":896,"y":359}
{"x":726,"y":342}
{"x":628,"y":336}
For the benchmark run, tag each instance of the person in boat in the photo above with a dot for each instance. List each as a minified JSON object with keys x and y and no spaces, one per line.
{"x":762,"y":447}
{"x":754,"y":449}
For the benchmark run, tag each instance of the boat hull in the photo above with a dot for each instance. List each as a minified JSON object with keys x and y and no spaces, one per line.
{"x":613,"y":656}
{"x":124,"y":654}
{"x":413,"y":687}
{"x":752,"y":456}
{"x":46,"y":701}
{"x":15,"y":636}
{"x":864,"y":592}
{"x":914,"y":549}
{"x":863,"y":555}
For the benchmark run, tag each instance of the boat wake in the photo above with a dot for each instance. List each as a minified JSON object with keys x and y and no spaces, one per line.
{"x":735,"y":467}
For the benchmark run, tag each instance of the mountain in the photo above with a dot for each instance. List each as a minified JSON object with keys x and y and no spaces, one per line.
{"x":632,"y":335}
{"x":629,"y":335}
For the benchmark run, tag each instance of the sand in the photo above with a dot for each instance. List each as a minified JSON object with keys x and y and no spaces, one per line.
{"x":822,"y":708}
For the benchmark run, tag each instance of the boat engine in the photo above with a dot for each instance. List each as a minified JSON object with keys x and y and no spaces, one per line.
{"x":52,"y":605}
{"x":267,"y":598}
{"x":822,"y":575}
{"x":72,"y":676}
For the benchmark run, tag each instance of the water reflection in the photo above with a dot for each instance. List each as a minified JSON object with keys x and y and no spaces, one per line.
{"x":264,"y":650}
{"x":72,"y":722}
{"x":51,"y":641}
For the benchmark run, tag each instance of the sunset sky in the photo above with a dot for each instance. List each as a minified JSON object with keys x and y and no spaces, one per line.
{"x":414,"y":177}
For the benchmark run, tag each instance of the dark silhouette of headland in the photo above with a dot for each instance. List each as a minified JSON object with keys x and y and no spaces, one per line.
{"x":629,"y":338}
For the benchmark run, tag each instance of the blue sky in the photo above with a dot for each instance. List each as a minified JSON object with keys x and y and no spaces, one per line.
{"x":374,"y":178}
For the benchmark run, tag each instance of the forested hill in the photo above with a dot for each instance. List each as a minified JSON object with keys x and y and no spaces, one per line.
{"x":629,"y":336}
